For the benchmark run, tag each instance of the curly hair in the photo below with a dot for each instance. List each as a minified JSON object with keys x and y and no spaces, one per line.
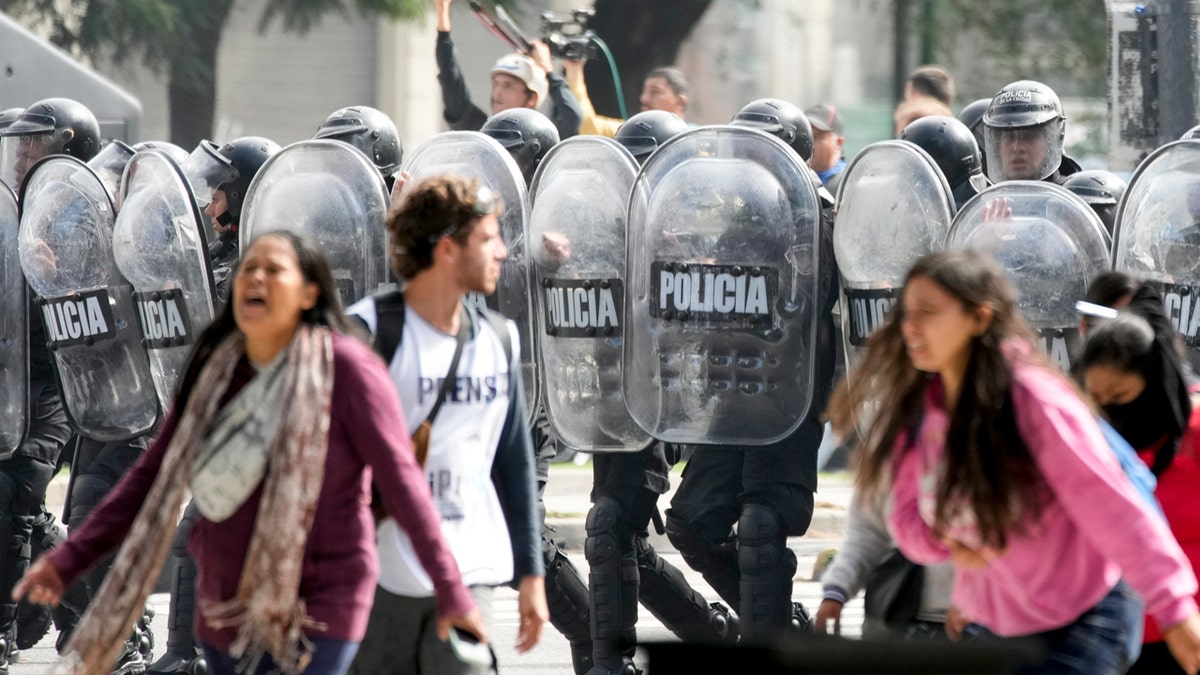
{"x":434,"y":208}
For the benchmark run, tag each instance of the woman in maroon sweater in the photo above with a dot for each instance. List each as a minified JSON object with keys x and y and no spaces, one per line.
{"x":287,"y":564}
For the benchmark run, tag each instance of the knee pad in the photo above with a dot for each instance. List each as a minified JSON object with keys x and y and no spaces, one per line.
{"x":604,"y":531}
{"x":87,"y":492}
{"x":566,"y":596}
{"x":762,"y":544}
{"x":698,"y":552}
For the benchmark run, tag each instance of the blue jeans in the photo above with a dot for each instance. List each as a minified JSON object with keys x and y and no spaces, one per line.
{"x":330,"y":657}
{"x":1106,"y":640}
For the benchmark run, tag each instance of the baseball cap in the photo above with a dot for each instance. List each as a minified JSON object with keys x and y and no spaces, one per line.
{"x":824,"y":116}
{"x":524,"y":69}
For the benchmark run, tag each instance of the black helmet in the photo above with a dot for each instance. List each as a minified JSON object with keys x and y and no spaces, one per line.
{"x":246,"y":155}
{"x":1026,"y":110}
{"x":55,"y":126}
{"x":646,"y":131}
{"x":972,"y":116}
{"x":1102,"y":191}
{"x":9,"y":116}
{"x":1189,"y":135}
{"x":950,"y":144}
{"x":780,"y":119}
{"x":170,"y":149}
{"x":369,"y":130}
{"x":71,"y":128}
{"x":527,"y":135}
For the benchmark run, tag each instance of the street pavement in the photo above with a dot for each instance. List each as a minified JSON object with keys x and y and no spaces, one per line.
{"x":567,"y":505}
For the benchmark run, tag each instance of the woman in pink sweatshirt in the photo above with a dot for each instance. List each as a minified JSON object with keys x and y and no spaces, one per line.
{"x":995,"y":464}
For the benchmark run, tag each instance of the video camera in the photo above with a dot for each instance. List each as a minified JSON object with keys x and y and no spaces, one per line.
{"x":567,"y":34}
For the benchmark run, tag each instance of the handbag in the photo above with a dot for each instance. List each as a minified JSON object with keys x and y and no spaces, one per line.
{"x":893,"y":591}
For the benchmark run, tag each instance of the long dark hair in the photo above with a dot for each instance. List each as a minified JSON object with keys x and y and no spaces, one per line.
{"x":326,"y":312}
{"x":1142,"y":340}
{"x":987,"y":465}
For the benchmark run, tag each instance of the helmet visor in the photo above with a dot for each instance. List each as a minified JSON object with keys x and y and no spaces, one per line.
{"x":207,"y":170}
{"x":767,"y":123}
{"x":1023,"y":153}
{"x":509,"y":138}
{"x":18,"y":154}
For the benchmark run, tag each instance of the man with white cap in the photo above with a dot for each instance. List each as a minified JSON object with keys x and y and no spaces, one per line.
{"x":518,"y":81}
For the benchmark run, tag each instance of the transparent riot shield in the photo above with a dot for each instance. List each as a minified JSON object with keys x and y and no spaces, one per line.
{"x":479,"y":156}
{"x":85,"y":303}
{"x":331,"y":193}
{"x":894,"y":207}
{"x":1158,"y":233}
{"x":109,"y":164}
{"x":160,"y":247}
{"x":14,"y":332}
{"x":1052,"y":245}
{"x":577,"y":226}
{"x":721,"y":289}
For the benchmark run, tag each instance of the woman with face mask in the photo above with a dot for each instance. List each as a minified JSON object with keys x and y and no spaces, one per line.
{"x":1133,"y":369}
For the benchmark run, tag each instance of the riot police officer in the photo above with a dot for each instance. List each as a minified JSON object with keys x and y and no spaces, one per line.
{"x":1023,"y":131}
{"x":736,"y":505}
{"x":1102,"y":190}
{"x":372,"y":132}
{"x":49,"y":127}
{"x":952,"y":146}
{"x":527,"y":135}
{"x":243,"y":157}
{"x":646,"y":131}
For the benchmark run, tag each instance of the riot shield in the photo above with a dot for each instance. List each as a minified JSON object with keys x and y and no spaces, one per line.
{"x":87,"y":306}
{"x":577,"y":225}
{"x":1052,"y":245}
{"x":1158,"y":233}
{"x":160,"y":247}
{"x":109,"y":164}
{"x":721,"y":289}
{"x":331,"y":193}
{"x":479,"y":156}
{"x":14,"y":332}
{"x":894,"y":207}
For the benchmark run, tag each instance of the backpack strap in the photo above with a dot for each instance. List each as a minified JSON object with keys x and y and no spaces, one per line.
{"x":389,"y":323}
{"x":500,"y":324}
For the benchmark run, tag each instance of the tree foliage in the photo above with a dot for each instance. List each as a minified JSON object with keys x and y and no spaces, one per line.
{"x":1037,"y":38}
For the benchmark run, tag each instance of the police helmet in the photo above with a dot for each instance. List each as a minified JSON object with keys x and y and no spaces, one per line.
{"x":369,"y":130}
{"x":950,"y":144}
{"x":646,"y":131}
{"x":527,"y":135}
{"x":246,"y":156}
{"x":972,"y":117}
{"x":1027,"y":117}
{"x":780,"y":119}
{"x":68,"y":127}
{"x":1102,"y":190}
{"x":9,"y":116}
{"x":170,"y":149}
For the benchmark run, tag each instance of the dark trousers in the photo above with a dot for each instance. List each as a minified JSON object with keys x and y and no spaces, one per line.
{"x":23,"y":483}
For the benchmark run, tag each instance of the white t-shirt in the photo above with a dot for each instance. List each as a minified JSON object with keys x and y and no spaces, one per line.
{"x":462,"y":445}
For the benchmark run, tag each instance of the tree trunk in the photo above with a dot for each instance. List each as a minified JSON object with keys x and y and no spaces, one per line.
{"x":192,"y":75}
{"x":642,"y":35}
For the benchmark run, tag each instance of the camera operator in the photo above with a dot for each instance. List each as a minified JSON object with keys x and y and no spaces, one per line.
{"x":664,"y":88}
{"x":518,"y":81}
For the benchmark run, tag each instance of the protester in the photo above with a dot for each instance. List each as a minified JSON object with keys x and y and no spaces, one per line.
{"x":995,"y":464}
{"x":866,"y":556}
{"x":296,"y":412}
{"x":1134,"y":371}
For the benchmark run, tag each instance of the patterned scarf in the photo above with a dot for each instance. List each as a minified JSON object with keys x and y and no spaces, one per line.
{"x":267,"y":611}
